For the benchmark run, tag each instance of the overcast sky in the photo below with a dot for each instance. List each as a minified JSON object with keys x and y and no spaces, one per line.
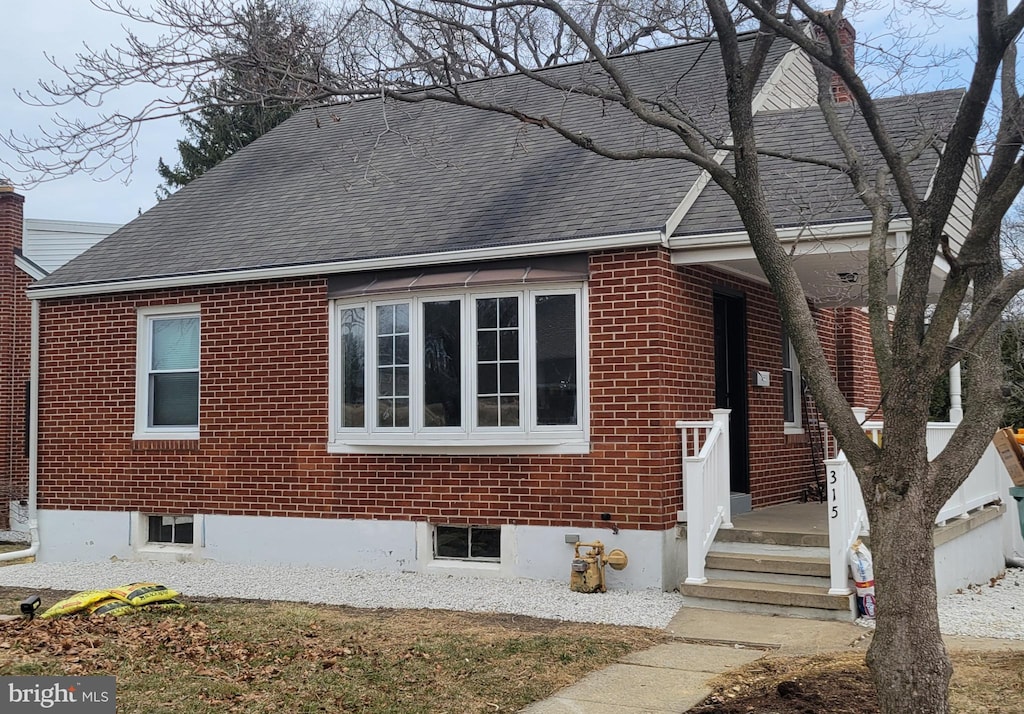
{"x":60,"y":27}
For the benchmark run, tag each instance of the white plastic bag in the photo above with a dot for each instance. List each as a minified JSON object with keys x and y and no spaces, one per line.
{"x":863,"y":578}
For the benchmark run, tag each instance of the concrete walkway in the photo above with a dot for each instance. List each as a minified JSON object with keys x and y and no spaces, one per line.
{"x":674,"y":677}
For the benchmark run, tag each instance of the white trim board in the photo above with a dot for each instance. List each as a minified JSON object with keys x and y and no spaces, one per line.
{"x":575,"y":245}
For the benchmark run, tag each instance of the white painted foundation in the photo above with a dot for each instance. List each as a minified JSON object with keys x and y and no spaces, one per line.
{"x":656,"y":558}
{"x":971,"y":558}
{"x":532,"y":552}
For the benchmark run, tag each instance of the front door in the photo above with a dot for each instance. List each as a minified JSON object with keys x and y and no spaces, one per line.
{"x":731,"y":381}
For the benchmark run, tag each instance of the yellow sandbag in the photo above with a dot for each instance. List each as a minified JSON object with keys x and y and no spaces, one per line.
{"x":139,"y":594}
{"x":164,"y":605}
{"x":75,"y":603}
{"x":111,"y":606}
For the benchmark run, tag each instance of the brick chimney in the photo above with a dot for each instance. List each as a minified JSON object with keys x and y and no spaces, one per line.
{"x":12,"y":224}
{"x":15,"y":328}
{"x":847,"y":39}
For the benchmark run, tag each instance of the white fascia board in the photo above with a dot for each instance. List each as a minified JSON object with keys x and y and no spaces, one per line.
{"x":42,"y":225}
{"x":575,"y":245}
{"x":786,"y":235}
{"x":701,"y":182}
{"x":29,"y":268}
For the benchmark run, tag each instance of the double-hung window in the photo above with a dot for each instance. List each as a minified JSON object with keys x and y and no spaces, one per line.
{"x":167,"y":385}
{"x":791,"y":387}
{"x":495,"y":369}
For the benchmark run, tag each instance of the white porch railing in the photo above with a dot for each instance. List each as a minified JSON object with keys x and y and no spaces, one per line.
{"x":847,"y":515}
{"x":705,"y":487}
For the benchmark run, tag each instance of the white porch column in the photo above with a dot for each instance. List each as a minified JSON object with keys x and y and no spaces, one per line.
{"x":956,"y":408}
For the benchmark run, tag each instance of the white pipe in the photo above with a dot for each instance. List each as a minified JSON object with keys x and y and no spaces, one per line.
{"x":956,"y":407}
{"x":33,"y":444}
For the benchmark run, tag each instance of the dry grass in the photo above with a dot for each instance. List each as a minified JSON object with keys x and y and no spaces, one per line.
{"x":283,"y":657}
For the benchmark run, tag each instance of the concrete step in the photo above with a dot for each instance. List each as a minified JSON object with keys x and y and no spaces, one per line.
{"x":772,"y":537}
{"x":756,"y":549}
{"x":783,"y":564}
{"x":746,"y":576}
{"x":803,"y":600}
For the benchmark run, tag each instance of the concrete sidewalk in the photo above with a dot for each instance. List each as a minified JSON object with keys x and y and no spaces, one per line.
{"x":674,"y":677}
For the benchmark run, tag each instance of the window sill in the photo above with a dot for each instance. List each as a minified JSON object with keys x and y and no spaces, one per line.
{"x":463,"y":567}
{"x":168,"y":435}
{"x":167,"y":552}
{"x":437,"y":446}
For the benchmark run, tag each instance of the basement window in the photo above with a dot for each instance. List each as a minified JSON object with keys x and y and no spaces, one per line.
{"x":171,"y":529}
{"x":481,"y":543}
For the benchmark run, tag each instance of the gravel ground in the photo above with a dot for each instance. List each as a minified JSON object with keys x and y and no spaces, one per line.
{"x":546,"y":599}
{"x":995,"y":609}
{"x":991,"y":610}
{"x":980,"y":611}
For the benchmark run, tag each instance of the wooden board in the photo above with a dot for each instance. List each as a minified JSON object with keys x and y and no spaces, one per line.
{"x":1011,"y":454}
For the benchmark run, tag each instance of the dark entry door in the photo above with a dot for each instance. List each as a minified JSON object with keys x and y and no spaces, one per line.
{"x":731,"y":382}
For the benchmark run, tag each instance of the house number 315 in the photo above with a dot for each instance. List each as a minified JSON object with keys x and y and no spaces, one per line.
{"x":832,"y":478}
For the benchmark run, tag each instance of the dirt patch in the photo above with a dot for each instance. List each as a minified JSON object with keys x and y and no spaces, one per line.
{"x":838,"y":684}
{"x":989,"y":682}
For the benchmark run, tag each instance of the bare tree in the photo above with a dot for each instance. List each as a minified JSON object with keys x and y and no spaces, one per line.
{"x":902,"y":488}
{"x":181,"y":49}
{"x":435,"y":45}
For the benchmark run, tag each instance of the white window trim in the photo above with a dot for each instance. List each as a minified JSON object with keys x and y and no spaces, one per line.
{"x":504,"y":568}
{"x":795,"y":426}
{"x":467,"y":439}
{"x":142,"y":429}
{"x":138,"y":539}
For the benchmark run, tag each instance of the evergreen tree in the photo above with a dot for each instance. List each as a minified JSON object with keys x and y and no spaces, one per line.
{"x":213,"y":135}
{"x":248,"y":99}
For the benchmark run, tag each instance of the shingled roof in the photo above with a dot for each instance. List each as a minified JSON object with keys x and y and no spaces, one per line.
{"x":375,"y":179}
{"x":812,"y":194}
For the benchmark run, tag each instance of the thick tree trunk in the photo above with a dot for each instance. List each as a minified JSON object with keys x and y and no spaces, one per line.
{"x":907,"y":658}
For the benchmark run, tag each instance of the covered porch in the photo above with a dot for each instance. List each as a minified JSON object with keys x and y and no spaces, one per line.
{"x":802,"y":548}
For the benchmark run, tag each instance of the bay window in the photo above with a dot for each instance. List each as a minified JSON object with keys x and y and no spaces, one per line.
{"x":484,"y":368}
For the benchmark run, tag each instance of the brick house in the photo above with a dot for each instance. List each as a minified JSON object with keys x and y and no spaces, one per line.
{"x":419,"y":337}
{"x":29,"y":250}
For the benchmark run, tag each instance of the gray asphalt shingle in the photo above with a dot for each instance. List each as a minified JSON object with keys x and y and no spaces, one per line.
{"x":804,"y":193}
{"x":378,"y":178}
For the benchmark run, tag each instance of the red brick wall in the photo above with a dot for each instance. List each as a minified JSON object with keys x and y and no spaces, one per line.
{"x":264,"y":417}
{"x":264,"y":411}
{"x":858,"y":375}
{"x":780,"y":464}
{"x":14,"y":355}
